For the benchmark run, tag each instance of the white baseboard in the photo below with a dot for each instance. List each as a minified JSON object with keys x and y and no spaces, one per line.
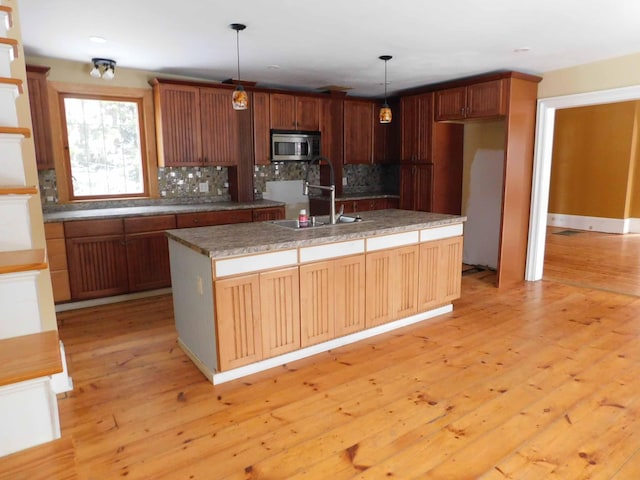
{"x":596,"y":224}
{"x":63,"y":307}
{"x":222,"y":377}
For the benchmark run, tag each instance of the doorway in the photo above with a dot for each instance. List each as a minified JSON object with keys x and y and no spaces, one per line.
{"x":542,"y":165}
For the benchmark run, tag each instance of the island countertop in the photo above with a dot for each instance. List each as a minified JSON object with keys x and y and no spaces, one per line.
{"x":246,"y":238}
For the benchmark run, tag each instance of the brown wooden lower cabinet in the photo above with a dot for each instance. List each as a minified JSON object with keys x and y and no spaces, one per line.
{"x":57,"y":258}
{"x":392,"y":284}
{"x":332,"y":298}
{"x":257,"y":316}
{"x":266,"y":214}
{"x":321,"y":206}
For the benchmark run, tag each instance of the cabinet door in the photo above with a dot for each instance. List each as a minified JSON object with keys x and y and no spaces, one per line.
{"x":450,"y":268}
{"x":405,"y":281}
{"x":486,"y":99}
{"x":409,"y":127}
{"x":358,"y":132}
{"x":265,"y":214}
{"x":423,"y":188}
{"x":282,"y":111}
{"x":425,"y":121}
{"x":379,"y":288}
{"x":39,"y":106}
{"x":261,"y":133}
{"x":220,"y":128}
{"x":317,"y":320}
{"x":440,"y":272}
{"x":307,"y":113}
{"x":451,"y":104}
{"x":239,"y":327}
{"x":97,"y":266}
{"x":407,"y":193}
{"x":331,"y":129}
{"x":148,"y":261}
{"x":280,"y":311}
{"x":178,"y":131}
{"x":349,"y":297}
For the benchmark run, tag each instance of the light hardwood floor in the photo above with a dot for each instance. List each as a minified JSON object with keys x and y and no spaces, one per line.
{"x":535,"y":382}
{"x":592,"y":259}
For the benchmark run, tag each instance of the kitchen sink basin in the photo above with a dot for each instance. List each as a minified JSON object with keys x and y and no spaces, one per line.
{"x":319,"y":223}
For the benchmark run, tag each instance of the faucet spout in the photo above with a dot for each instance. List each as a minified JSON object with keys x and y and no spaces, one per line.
{"x":330,"y":188}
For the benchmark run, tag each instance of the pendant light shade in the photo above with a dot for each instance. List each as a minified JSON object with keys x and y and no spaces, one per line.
{"x":240,"y":99}
{"x":385,"y":110}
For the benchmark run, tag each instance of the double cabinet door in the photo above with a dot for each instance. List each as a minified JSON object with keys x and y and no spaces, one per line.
{"x":265,"y":314}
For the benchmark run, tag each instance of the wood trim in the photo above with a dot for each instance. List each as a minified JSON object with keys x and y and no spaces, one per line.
{"x":22,"y":261}
{"x":18,"y":190}
{"x":147,"y":130}
{"x":13,"y":81}
{"x":38,"y":69}
{"x":43,"y":358}
{"x":25,"y":132}
{"x":9,"y":12}
{"x":12,"y":42}
{"x":465,"y":81}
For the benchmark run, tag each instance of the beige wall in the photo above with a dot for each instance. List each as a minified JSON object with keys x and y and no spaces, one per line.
{"x":606,"y":74}
{"x":592,"y":156}
{"x":633,"y":200}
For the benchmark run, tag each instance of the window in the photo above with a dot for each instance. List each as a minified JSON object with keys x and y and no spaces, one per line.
{"x":104,"y":149}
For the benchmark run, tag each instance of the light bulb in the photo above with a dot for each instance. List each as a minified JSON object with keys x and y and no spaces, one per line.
{"x":95,"y":72}
{"x":108,"y":73}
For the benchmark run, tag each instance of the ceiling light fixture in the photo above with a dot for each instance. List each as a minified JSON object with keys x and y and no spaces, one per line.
{"x":385,"y":110}
{"x":240,"y":98}
{"x":103,"y":67}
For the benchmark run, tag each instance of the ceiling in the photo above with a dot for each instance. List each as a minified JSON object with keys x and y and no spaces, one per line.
{"x":310,"y":45}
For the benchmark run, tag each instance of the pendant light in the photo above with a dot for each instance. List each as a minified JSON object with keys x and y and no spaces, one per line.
{"x":240,"y":98}
{"x":385,"y":110}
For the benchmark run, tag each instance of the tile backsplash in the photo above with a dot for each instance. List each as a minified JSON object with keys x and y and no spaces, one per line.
{"x":184,"y":183}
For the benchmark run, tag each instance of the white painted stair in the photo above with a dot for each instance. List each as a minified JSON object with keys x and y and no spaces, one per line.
{"x":29,"y":356}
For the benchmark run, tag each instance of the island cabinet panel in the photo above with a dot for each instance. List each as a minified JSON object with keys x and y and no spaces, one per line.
{"x":475,"y":101}
{"x":440,"y":272}
{"x":317,"y":296}
{"x":358,"y":132}
{"x":239,"y":327}
{"x":280,"y":311}
{"x":392,"y":284}
{"x":349,"y":300}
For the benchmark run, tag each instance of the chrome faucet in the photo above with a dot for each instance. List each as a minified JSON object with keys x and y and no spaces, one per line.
{"x":330,"y":188}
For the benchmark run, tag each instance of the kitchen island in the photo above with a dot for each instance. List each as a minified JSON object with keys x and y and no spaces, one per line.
{"x":252,"y":296}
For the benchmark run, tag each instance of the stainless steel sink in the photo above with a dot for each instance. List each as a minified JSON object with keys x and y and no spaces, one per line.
{"x":319,"y":223}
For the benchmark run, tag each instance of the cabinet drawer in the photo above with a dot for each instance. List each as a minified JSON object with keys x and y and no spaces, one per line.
{"x":91,"y":228}
{"x":149,"y":224}
{"x":53,"y":230}
{"x":203,"y":219}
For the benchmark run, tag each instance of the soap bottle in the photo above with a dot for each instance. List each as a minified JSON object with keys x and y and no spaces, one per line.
{"x":303,"y":219}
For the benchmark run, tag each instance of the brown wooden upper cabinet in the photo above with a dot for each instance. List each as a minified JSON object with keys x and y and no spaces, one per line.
{"x":261,"y":133}
{"x":358,"y":132}
{"x":416,"y":128}
{"x":39,"y":105}
{"x":475,"y":101}
{"x":293,"y":112}
{"x":196,"y":126}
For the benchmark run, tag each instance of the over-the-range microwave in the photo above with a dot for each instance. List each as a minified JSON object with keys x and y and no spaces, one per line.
{"x":294,"y":146}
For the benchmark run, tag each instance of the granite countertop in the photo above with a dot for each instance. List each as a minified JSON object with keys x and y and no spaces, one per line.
{"x":121,"y":212}
{"x":245,"y":238}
